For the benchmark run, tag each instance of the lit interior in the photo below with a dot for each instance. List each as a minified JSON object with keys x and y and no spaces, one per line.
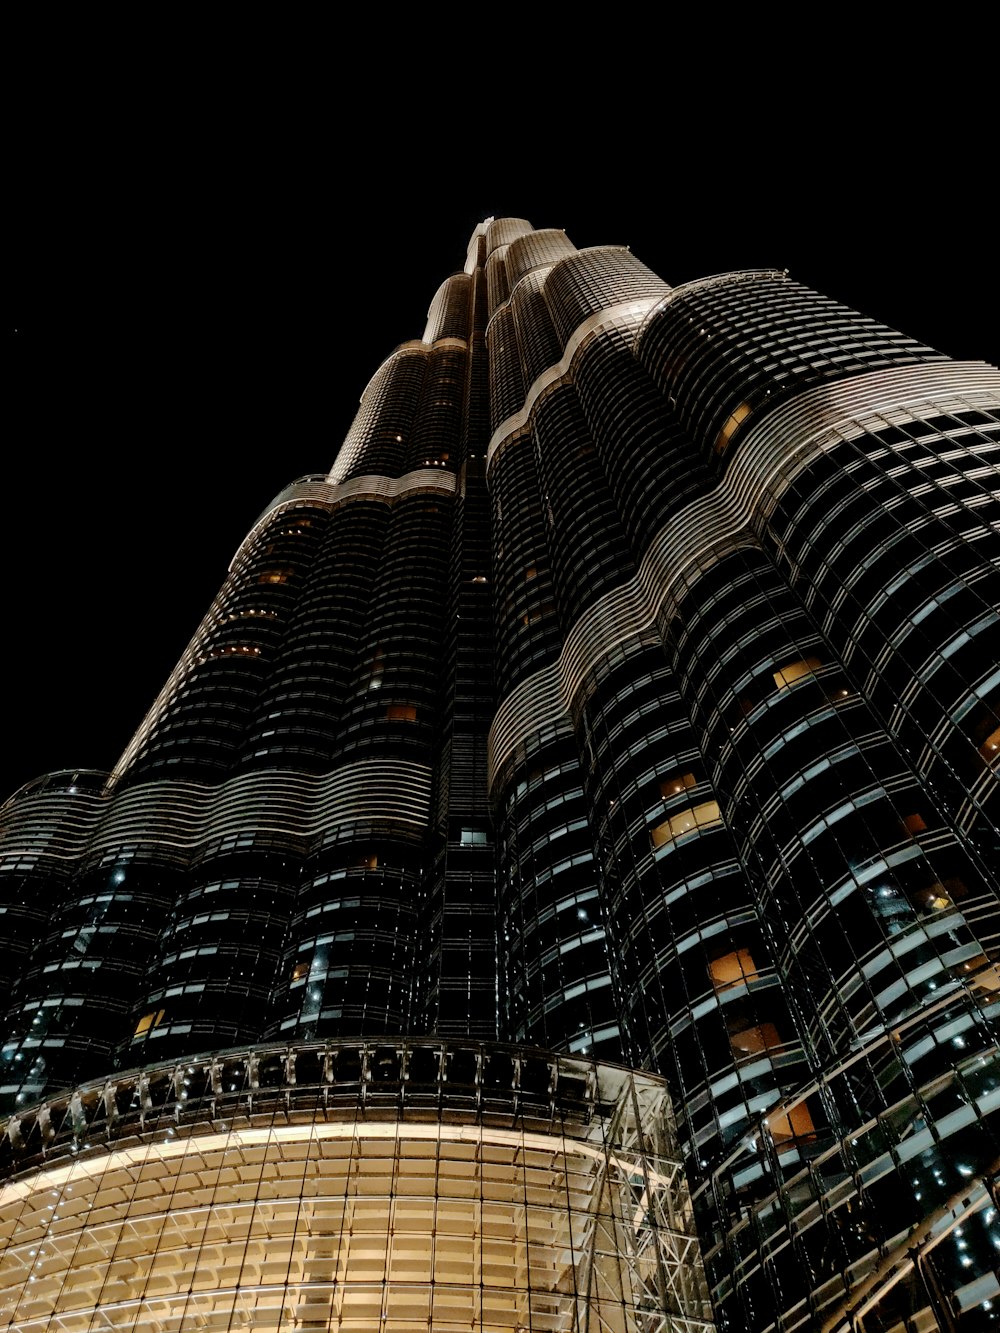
{"x":336,"y":1225}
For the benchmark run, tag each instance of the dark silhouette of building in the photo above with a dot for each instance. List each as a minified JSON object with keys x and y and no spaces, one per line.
{"x":629,"y":689}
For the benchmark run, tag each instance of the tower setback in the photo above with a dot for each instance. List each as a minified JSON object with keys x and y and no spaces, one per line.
{"x":573,"y":827}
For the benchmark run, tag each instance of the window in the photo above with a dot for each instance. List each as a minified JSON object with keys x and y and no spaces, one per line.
{"x":987,"y":974}
{"x":149,"y":1021}
{"x":401,"y":713}
{"x":472,"y":837}
{"x":755,"y":1040}
{"x":793,"y":671}
{"x":377,"y":669}
{"x":686,"y":821}
{"x":729,"y":429}
{"x":932,"y":899}
{"x":675,"y":785}
{"x":794,"y":1124}
{"x":274,"y":575}
{"x":732,"y":969}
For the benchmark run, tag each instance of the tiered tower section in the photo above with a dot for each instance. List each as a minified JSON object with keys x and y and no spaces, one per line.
{"x":296,"y":842}
{"x":744,"y":760}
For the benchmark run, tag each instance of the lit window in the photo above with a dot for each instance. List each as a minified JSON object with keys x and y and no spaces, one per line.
{"x":990,"y":748}
{"x":274,"y":575}
{"x":401,"y":713}
{"x":932,"y":899}
{"x":985,"y":973}
{"x":793,"y":671}
{"x":300,"y":971}
{"x":530,"y":617}
{"x":729,"y":429}
{"x":675,"y":785}
{"x":686,"y":821}
{"x":530,"y":573}
{"x":377,"y":669}
{"x":149,"y":1021}
{"x":914,"y":823}
{"x":794,"y":1124}
{"x":755,"y":1040}
{"x":473,"y":837}
{"x":732,"y":969}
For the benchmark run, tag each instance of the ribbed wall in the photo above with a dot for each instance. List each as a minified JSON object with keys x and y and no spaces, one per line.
{"x":448,"y":316}
{"x":459,"y":937}
{"x":535,"y":248}
{"x":502,"y":231}
{"x":506,"y":375}
{"x":728,"y":347}
{"x":537,"y":341}
{"x":377,"y":440}
{"x":593,"y":280}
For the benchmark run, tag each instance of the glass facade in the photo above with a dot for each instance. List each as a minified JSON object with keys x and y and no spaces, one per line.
{"x":630,"y":689}
{"x":420,"y":1186}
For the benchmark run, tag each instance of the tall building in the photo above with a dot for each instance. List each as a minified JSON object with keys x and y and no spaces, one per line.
{"x":595,"y":771}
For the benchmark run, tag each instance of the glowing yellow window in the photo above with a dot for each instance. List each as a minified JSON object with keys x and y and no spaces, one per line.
{"x":530,"y":573}
{"x":731,"y":426}
{"x":755,"y":1040}
{"x":300,"y":970}
{"x":932,"y":899}
{"x":675,"y":785}
{"x":401,"y":713}
{"x":794,"y":1124}
{"x":793,"y":671}
{"x":982,"y":972}
{"x":914,"y":823}
{"x":732,"y":969}
{"x":990,"y":748}
{"x":148,"y":1021}
{"x":274,"y":576}
{"x":686,"y":821}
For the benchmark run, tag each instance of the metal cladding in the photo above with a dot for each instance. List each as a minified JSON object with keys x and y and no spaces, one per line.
{"x":630,"y":688}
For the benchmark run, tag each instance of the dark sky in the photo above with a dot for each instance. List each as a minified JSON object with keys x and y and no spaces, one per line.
{"x":199,"y":300}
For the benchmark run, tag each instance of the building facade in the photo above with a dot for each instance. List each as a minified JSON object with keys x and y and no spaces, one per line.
{"x":628,"y":690}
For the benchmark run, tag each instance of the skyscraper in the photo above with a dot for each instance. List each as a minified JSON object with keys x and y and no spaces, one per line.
{"x":628,"y":690}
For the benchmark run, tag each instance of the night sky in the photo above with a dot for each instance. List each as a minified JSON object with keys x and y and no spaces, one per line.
{"x":199,"y":301}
